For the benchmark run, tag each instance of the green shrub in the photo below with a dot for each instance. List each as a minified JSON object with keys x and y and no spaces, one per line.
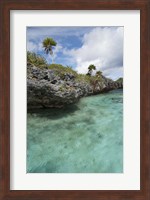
{"x":62,"y":70}
{"x":37,"y":60}
{"x":119,"y":80}
{"x":87,"y":78}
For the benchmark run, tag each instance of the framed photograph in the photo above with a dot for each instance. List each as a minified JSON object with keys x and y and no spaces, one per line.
{"x":74,"y":99}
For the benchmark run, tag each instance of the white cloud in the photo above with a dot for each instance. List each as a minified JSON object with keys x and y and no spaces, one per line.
{"x":34,"y":47}
{"x":103,"y":47}
{"x":31,"y":46}
{"x":56,"y":50}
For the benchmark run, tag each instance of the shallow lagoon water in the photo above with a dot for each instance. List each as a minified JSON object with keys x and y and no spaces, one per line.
{"x":83,"y":138}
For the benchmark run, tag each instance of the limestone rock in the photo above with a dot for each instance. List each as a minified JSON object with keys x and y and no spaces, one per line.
{"x":45,"y":88}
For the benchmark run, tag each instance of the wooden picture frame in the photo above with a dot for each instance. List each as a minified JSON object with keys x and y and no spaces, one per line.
{"x":5,"y":7}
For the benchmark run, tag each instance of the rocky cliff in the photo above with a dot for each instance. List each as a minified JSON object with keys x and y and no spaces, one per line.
{"x":48,"y":88}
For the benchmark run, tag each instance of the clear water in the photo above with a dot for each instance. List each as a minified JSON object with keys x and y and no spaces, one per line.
{"x":82,"y":138}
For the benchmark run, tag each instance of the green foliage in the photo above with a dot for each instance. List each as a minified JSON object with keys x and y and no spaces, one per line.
{"x":48,"y":43}
{"x":62,"y":70}
{"x":91,"y":68}
{"x":83,"y":78}
{"x":86,"y":78}
{"x":120,"y":80}
{"x":98,"y":73}
{"x":89,"y":74}
{"x":36,"y":60}
{"x":94,"y":79}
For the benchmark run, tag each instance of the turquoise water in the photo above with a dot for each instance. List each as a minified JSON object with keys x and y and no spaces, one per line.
{"x":82,"y":138}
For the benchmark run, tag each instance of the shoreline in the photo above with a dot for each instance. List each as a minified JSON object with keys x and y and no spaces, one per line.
{"x":69,"y":105}
{"x":47,"y":88}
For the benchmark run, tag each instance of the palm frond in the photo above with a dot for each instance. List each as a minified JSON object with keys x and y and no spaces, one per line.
{"x":49,"y":42}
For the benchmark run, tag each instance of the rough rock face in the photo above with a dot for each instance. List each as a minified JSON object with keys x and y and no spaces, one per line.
{"x":45,"y":88}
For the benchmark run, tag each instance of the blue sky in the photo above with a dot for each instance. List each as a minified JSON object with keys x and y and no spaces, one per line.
{"x":79,"y":47}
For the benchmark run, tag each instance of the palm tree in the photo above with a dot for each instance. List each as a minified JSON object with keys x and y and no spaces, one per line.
{"x":91,"y":68}
{"x":48,"y":45}
{"x":98,"y":74}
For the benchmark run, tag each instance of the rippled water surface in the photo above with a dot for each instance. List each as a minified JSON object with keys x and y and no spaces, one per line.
{"x":82,"y":138}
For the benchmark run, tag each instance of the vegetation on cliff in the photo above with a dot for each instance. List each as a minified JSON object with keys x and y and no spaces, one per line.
{"x":36,"y":60}
{"x":119,"y":80}
{"x":55,"y":85}
{"x":60,"y":70}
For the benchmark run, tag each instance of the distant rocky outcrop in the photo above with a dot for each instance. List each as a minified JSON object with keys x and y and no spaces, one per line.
{"x":47,"y":88}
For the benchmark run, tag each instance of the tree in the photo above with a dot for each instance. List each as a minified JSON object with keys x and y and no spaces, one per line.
{"x":91,"y":68}
{"x":48,"y":45}
{"x":98,"y":74}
